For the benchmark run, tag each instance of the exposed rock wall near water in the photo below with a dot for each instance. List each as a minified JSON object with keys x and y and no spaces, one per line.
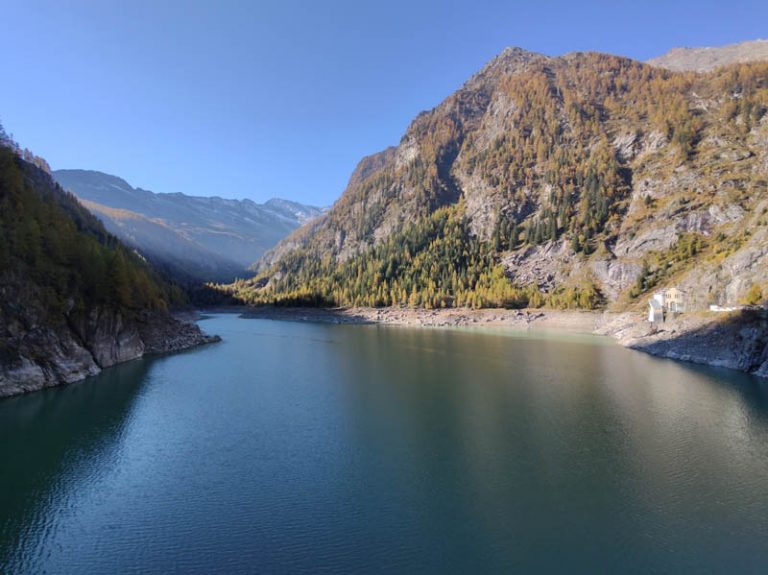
{"x":35,"y":356}
{"x":737,"y":340}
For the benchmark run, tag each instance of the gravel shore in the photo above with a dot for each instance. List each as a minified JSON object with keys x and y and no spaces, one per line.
{"x":574,"y":321}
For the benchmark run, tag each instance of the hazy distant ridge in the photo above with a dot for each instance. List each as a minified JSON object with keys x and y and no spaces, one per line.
{"x":705,"y":59}
{"x":199,"y":237}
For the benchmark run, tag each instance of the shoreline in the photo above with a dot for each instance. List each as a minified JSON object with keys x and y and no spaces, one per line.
{"x":737,"y":341}
{"x":67,"y":355}
{"x":585,"y":322}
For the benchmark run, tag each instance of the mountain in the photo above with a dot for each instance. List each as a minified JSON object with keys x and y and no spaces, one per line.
{"x":73,"y":299}
{"x":583,"y":180}
{"x":707,"y":59}
{"x":196,"y":238}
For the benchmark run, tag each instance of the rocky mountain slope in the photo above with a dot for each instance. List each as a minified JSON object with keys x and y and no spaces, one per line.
{"x":578,"y":181}
{"x":707,"y":59}
{"x":199,"y":238}
{"x":73,"y":299}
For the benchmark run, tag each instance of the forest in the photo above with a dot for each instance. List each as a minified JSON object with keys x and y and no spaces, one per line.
{"x":434,"y":263}
{"x":56,"y":256}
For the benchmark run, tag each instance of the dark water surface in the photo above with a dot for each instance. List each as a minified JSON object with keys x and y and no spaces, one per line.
{"x":300,"y":448}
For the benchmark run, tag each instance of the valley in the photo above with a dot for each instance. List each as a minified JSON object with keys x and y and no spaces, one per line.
{"x":351,"y":288}
{"x":194,"y":239}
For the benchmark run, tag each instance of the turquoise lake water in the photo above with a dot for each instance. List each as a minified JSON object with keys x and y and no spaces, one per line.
{"x":310,"y":448}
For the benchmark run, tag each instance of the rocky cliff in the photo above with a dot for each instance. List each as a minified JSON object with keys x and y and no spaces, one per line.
{"x":35,"y":355}
{"x":736,"y":340}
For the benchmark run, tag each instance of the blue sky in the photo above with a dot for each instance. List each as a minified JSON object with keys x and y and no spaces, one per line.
{"x":282,"y":98}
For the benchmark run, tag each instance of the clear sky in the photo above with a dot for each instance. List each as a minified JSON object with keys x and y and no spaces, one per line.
{"x":282,"y":98}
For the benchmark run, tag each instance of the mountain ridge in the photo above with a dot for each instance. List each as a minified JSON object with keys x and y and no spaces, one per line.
{"x":704,"y":59}
{"x":199,"y":238}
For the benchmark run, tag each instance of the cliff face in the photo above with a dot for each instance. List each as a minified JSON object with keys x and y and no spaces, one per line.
{"x":37,"y":355}
{"x":583,"y":169}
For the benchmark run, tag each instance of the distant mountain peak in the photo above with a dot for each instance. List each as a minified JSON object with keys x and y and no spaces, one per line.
{"x":94,"y":176}
{"x":708,"y":58}
{"x":517,"y":52}
{"x":509,"y":60}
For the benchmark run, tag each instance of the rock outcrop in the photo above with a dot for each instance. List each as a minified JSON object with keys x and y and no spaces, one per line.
{"x":34,"y":355}
{"x":737,"y":340}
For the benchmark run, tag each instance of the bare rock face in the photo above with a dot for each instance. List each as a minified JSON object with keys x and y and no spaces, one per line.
{"x":545,"y":266}
{"x":32,"y":358}
{"x":737,"y":341}
{"x":109,"y":338}
{"x":762,"y":371}
{"x":746,"y":267}
{"x":626,"y":145}
{"x":614,"y":275}
{"x":164,"y":334}
{"x":48,"y":358}
{"x":652,"y":238}
{"x":482,"y":207}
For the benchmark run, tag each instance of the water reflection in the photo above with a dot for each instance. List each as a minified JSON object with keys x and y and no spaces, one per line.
{"x":563,"y":444}
{"x":345,"y":449}
{"x":51,"y":441}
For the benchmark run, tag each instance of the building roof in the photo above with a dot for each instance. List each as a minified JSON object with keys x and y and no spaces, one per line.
{"x":654,"y":303}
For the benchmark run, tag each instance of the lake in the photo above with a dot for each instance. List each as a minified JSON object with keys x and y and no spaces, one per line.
{"x":311,"y":448}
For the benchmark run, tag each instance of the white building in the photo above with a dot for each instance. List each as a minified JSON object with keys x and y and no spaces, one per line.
{"x":671,"y":300}
{"x":674,"y":300}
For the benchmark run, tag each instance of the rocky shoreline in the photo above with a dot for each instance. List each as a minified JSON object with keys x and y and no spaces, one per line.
{"x":49,"y":357}
{"x":575,"y":321}
{"x":736,"y":341}
{"x":35,"y":357}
